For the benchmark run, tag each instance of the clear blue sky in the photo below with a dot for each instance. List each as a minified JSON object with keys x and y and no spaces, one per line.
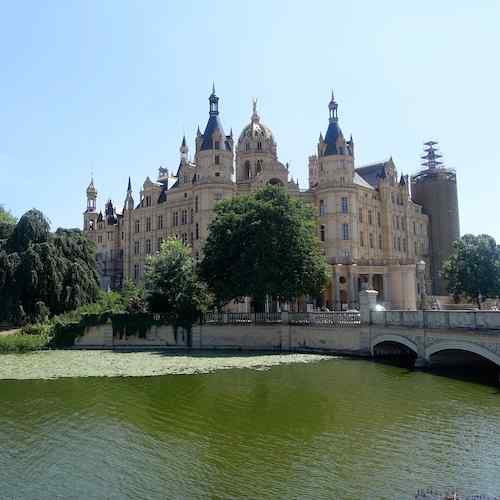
{"x":110,"y":86}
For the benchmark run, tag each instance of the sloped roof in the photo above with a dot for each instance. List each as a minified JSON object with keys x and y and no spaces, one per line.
{"x":372,"y":173}
{"x":214,"y":124}
{"x":332,"y":134}
{"x":361,"y":182}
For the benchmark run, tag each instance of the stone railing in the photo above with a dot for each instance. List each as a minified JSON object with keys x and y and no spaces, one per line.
{"x":471,"y":320}
{"x":339,"y":319}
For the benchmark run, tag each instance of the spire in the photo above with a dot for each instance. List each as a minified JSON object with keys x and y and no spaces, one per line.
{"x":332,"y":107}
{"x":255,"y":115}
{"x":214,"y":102}
{"x":91,"y":196}
{"x":129,"y":187}
{"x":431,"y":156}
{"x":184,"y":149}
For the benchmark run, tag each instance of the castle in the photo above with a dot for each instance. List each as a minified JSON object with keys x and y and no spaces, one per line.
{"x":371,"y":230}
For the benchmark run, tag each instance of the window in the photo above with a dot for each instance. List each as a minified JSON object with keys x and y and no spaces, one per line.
{"x":247,"y":147}
{"x":392,"y":197}
{"x":217,"y":145}
{"x":176,"y":219}
{"x":191,"y":238}
{"x":219,"y":196}
{"x":217,"y":174}
{"x":148,"y":247}
{"x":137,"y":247}
{"x":191,"y":216}
{"x":360,"y":215}
{"x":159,"y":222}
{"x":362,"y":239}
{"x":148,"y":201}
{"x":370,"y":219}
{"x":137,"y":225}
{"x":322,"y":233}
{"x":371,"y":240}
{"x":184,"y":217}
{"x":158,"y":244}
{"x":416,"y":250}
{"x":380,"y":241}
{"x":123,"y":235}
{"x":91,"y":225}
{"x":185,"y":195}
{"x":148,"y":224}
{"x":405,"y":247}
{"x":196,"y":204}
{"x":197,"y":231}
{"x":397,"y":221}
{"x":344,"y":206}
{"x":217,"y":160}
{"x":99,"y":239}
{"x":414,"y":228}
{"x":399,"y":244}
{"x":342,"y":180}
{"x":136,"y":272}
{"x":110,"y":235}
{"x":345,"y":231}
{"x":321,"y":207}
{"x":259,"y":146}
{"x":379,"y":221}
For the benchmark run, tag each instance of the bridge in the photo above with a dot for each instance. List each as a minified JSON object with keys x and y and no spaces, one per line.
{"x":436,"y":338}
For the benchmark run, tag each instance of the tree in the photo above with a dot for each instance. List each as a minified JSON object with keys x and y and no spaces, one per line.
{"x":172,"y":287}
{"x":7,"y":224}
{"x":263,"y":245}
{"x":43,"y":273}
{"x":473,"y":269}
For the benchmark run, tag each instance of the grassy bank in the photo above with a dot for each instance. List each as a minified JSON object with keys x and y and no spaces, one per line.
{"x":19,"y":343}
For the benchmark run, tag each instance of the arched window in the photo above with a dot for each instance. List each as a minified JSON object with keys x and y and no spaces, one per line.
{"x":247,"y":171}
{"x":321,"y":207}
{"x":196,"y":203}
{"x":259,"y":146}
{"x":247,"y":147}
{"x":258,"y":167}
{"x":322,"y":233}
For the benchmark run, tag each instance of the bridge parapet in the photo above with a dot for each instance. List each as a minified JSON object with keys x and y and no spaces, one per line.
{"x":470,"y":320}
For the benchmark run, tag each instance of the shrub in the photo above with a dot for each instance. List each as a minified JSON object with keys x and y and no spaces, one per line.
{"x":19,"y":343}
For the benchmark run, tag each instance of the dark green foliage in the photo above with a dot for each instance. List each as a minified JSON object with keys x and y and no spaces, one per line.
{"x":473,"y":270}
{"x":263,"y":245}
{"x":44,"y":274}
{"x":7,"y":224}
{"x":172,"y":287}
{"x":19,"y":343}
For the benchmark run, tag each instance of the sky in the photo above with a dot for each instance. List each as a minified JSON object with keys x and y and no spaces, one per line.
{"x":110,"y":87}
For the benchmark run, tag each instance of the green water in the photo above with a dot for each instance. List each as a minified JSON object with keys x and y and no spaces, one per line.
{"x":339,"y":429}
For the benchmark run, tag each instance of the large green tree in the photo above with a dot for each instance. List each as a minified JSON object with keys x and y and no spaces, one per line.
{"x":172,"y":287}
{"x":263,"y":245}
{"x":42,"y":271}
{"x":7,"y":223}
{"x":473,"y":269}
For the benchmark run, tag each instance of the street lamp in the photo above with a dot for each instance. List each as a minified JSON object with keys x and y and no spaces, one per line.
{"x":421,"y":282}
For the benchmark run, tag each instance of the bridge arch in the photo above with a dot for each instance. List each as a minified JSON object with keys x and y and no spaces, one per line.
{"x":396,"y":339}
{"x":462,"y":346}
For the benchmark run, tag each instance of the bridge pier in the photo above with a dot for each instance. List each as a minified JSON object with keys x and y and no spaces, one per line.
{"x":421,"y":363}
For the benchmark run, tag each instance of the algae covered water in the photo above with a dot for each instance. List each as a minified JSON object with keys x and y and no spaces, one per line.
{"x":334,"y":428}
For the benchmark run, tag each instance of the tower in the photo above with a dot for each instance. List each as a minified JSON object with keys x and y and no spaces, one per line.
{"x":90,"y":214}
{"x":435,"y":188}
{"x":129,"y":200}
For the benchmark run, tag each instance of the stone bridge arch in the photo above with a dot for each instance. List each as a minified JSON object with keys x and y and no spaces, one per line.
{"x":397,"y":339}
{"x":462,"y":346}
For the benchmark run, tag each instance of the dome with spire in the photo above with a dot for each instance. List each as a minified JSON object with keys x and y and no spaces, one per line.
{"x":91,"y":190}
{"x":256,"y":130}
{"x":334,"y":142}
{"x":214,"y":132}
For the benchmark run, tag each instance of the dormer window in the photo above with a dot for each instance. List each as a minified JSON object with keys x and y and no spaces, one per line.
{"x":217,"y":145}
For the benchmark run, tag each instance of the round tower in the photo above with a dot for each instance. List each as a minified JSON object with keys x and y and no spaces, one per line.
{"x":435,"y":189}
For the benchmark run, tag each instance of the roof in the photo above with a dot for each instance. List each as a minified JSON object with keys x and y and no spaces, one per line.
{"x":214,"y":124}
{"x":372,"y":173}
{"x":332,"y":134}
{"x":361,"y":182}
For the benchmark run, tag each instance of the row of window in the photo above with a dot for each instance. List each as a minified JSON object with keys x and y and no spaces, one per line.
{"x":148,"y":243}
{"x":344,"y":232}
{"x":344,"y":206}
{"x":371,"y":240}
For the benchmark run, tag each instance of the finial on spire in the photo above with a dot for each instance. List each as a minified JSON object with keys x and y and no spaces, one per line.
{"x":129,"y":187}
{"x":214,"y":102}
{"x":255,"y":115}
{"x":213,"y":88}
{"x":332,"y":107}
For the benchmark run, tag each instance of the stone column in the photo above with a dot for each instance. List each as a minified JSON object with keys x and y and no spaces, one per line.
{"x":387,"y":290}
{"x":337,"y":290}
{"x":352,"y":296}
{"x":367,"y":303}
{"x":370,"y":281}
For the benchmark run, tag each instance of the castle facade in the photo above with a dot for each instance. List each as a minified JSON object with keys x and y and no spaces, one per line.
{"x":372,"y":232}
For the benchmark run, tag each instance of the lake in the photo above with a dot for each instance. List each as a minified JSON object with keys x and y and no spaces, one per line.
{"x":334,"y":428}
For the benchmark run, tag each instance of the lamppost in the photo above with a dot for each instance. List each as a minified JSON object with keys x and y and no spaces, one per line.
{"x":421,"y":282}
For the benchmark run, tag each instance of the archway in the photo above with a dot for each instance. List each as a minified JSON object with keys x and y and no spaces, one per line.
{"x":464,"y":361}
{"x":395,"y":350}
{"x":275,"y":182}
